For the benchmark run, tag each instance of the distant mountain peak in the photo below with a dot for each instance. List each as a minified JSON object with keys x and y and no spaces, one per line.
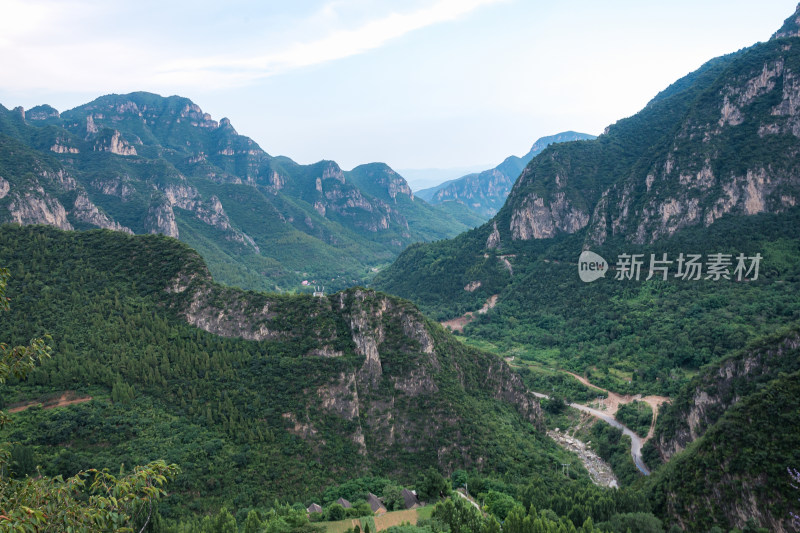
{"x":791,"y":26}
{"x":41,"y":112}
{"x":485,"y":192}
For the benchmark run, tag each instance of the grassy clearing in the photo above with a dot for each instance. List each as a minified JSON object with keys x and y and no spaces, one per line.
{"x":424,"y":512}
{"x":480,"y":344}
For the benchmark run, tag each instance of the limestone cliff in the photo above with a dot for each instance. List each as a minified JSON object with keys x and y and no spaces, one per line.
{"x":34,"y":206}
{"x":112,"y":141}
{"x":86,"y":211}
{"x":152,"y":163}
{"x":161,"y":219}
{"x":336,"y":196}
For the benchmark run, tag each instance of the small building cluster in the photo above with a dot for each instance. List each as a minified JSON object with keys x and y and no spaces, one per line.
{"x":410,"y":501}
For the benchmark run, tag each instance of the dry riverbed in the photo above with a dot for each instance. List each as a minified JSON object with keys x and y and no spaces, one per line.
{"x":599,"y":470}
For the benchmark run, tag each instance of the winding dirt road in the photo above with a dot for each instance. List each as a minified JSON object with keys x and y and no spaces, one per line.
{"x":612,"y":404}
{"x":614,"y":400}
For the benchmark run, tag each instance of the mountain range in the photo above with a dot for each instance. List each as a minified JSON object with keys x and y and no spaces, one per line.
{"x":709,"y":165}
{"x":141,"y":163}
{"x":485,"y":192}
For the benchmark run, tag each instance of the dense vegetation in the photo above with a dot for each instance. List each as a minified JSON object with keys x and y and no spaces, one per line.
{"x":37,"y":503}
{"x":726,"y":382}
{"x":224,"y":409}
{"x":637,"y":415}
{"x":741,"y":458}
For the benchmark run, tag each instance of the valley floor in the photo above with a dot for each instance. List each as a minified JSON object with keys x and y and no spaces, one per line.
{"x":605,"y":409}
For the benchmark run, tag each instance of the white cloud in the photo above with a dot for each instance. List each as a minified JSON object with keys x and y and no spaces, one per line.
{"x":338,"y":45}
{"x":34,"y":54}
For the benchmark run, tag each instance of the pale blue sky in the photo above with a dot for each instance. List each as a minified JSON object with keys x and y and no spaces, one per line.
{"x":416,"y":84}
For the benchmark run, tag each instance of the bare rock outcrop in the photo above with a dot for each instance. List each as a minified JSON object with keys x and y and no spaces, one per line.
{"x":494,"y":237}
{"x":35,"y":206}
{"x":114,"y":144}
{"x":86,"y":211}
{"x":538,"y":219}
{"x":161,"y":219}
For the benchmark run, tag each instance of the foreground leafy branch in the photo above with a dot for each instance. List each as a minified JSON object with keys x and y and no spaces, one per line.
{"x":43,"y":504}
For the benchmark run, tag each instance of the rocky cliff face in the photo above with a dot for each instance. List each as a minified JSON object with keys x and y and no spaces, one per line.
{"x":46,"y":193}
{"x":86,"y":211}
{"x":161,"y":219}
{"x":150,"y":164}
{"x":692,"y":183}
{"x":537,"y":219}
{"x":401,"y":363}
{"x":338,"y":197}
{"x":113,"y":142}
{"x":382,"y":182}
{"x":35,"y":206}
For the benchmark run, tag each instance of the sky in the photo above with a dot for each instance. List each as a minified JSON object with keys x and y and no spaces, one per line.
{"x":414,"y":83}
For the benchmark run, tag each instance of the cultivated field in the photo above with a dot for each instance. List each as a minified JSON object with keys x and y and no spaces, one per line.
{"x":385,"y":521}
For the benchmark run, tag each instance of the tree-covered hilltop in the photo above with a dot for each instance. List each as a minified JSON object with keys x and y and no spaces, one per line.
{"x":723,"y":445}
{"x":739,"y":468}
{"x":327,"y":389}
{"x":143,"y":163}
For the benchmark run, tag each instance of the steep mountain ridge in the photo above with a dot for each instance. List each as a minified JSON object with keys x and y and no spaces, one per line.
{"x":148,"y":164}
{"x":485,"y":192}
{"x":718,"y":388}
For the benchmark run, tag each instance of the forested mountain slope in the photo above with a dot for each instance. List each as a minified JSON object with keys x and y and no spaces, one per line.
{"x":142,"y":163}
{"x":708,"y":167}
{"x":255,"y":396}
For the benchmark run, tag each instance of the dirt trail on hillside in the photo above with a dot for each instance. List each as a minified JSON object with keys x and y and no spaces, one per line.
{"x":66,"y":398}
{"x":457,"y":324}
